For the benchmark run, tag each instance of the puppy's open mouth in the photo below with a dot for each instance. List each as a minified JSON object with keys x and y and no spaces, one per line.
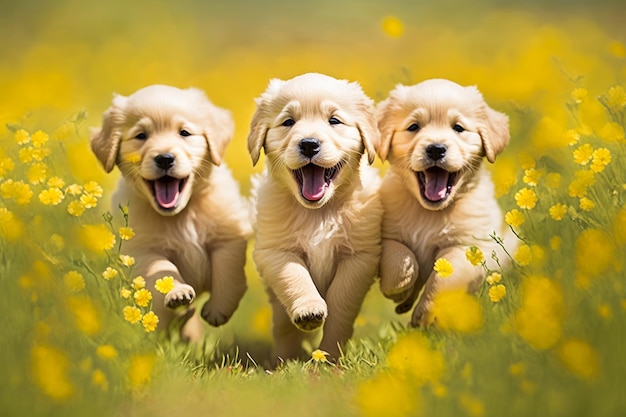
{"x":167,"y":191}
{"x":314,"y":180}
{"x":436,"y":183}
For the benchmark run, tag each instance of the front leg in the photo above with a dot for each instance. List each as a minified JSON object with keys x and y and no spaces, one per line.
{"x":398,"y":271}
{"x":287,"y":276}
{"x":228,"y":281}
{"x":154,"y":266}
{"x":464,"y":275}
{"x":353,"y":279}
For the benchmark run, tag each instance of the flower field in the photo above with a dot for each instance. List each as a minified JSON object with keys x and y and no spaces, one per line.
{"x":543,"y":336}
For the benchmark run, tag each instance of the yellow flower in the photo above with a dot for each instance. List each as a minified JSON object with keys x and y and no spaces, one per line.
{"x":106,"y":352}
{"x":127,"y":260}
{"x":74,"y":281}
{"x":571,"y":136}
{"x":413,"y":356}
{"x":76,"y":208}
{"x":580,"y":358}
{"x":443,"y":268}
{"x":532,"y":176}
{"x":558,"y":211}
{"x":17,"y":190}
{"x":616,"y":99}
{"x":85,"y":314}
{"x":387,"y":395}
{"x":150,"y":321}
{"x":142,"y":297}
{"x":539,"y":320}
{"x":11,"y":228}
{"x":579,"y":95}
{"x":473,"y":406}
{"x":125,"y":292}
{"x":97,"y":238}
{"x":109,"y":273}
{"x":75,"y":189}
{"x":133,"y":158}
{"x":25,"y":155}
{"x":140,"y":369}
{"x":319,"y":355}
{"x":39,"y":138}
{"x":56,"y":182}
{"x":586,"y":204}
{"x":51,"y":197}
{"x":164,"y":285}
{"x":594,"y":252}
{"x":601,"y":158}
{"x":583,"y":154}
{"x":457,"y":310}
{"x":126,"y":233}
{"x":526,"y":198}
{"x":132,"y":314}
{"x":88,"y":200}
{"x":99,"y":379}
{"x":584,"y":179}
{"x":139,"y":283}
{"x":497,"y":292}
{"x":22,"y":137}
{"x":392,"y":27}
{"x":6,"y":165}
{"x":605,"y":311}
{"x":37,"y":173}
{"x":474,"y":255}
{"x":523,"y":255}
{"x":494,"y":278}
{"x":50,"y":369}
{"x":612,"y":132}
{"x":514,"y":218}
{"x":94,"y":188}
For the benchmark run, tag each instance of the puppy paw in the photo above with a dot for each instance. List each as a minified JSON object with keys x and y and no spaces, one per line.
{"x":310,"y":315}
{"x":213,"y":315}
{"x":422,"y":315}
{"x":181,"y":295}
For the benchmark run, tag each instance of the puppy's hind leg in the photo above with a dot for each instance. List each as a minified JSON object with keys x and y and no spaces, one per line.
{"x":287,"y":337}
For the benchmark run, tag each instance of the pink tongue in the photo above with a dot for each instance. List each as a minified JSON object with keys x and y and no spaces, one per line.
{"x":313,"y":182}
{"x":167,"y":192}
{"x":436,"y":186}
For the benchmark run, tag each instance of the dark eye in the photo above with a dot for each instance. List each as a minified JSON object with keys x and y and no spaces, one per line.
{"x":413,"y":128}
{"x":184,"y":133}
{"x":458,"y":128}
{"x":288,"y":123}
{"x":334,"y":121}
{"x":141,"y":136}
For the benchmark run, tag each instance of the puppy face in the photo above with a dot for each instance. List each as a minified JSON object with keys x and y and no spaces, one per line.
{"x":314,"y":129}
{"x":436,"y":133}
{"x":164,"y":141}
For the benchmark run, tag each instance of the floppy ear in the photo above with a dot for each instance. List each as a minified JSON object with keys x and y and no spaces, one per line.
{"x":260,"y":124}
{"x":494,"y":133}
{"x":105,"y":141}
{"x":366,"y":123}
{"x":385,"y":127}
{"x":258,"y":132}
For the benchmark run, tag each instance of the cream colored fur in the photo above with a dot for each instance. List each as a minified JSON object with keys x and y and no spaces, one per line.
{"x":198,"y":235}
{"x":317,"y":258}
{"x":416,"y":123}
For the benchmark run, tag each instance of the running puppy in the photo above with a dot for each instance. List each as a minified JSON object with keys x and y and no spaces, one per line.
{"x":317,"y":209}
{"x":438,"y":198}
{"x":189,"y":219}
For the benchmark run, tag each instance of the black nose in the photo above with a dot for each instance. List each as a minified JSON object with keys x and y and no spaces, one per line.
{"x":309,"y":147}
{"x":436,"y":151}
{"x":164,"y":160}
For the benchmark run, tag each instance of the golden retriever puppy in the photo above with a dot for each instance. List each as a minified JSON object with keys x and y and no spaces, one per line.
{"x":189,"y":219}
{"x":438,"y":198}
{"x":317,"y":209}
